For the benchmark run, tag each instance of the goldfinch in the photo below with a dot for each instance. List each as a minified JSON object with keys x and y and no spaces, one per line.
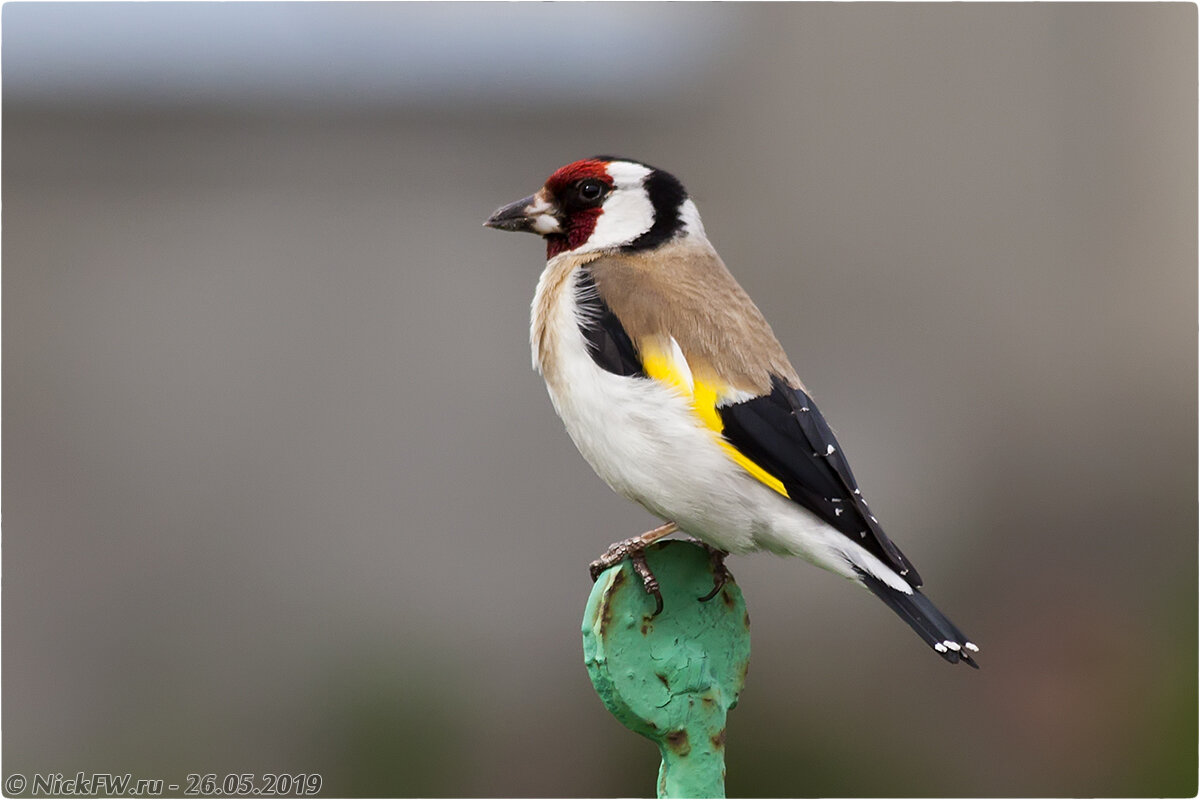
{"x":676,"y":391}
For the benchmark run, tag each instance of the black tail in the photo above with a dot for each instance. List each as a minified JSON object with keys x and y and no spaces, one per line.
{"x":924,"y":618}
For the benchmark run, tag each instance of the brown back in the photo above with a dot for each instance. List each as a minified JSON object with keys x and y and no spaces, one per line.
{"x":683,"y":290}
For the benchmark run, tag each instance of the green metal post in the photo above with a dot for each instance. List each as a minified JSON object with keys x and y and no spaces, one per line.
{"x":673,"y":677}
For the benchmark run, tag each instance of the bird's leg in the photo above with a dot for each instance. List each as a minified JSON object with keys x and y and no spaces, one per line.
{"x":716,"y":557}
{"x":635,"y":550}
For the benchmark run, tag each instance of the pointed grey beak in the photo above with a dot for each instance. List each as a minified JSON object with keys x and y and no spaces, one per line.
{"x":512,"y":217}
{"x":531,"y":214}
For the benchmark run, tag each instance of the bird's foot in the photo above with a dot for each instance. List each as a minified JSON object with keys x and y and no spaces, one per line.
{"x":635,"y":550}
{"x":716,"y":557}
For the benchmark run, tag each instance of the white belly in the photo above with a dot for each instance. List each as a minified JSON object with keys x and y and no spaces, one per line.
{"x":642,"y":438}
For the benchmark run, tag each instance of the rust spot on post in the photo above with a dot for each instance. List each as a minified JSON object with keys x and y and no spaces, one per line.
{"x":605,"y":615}
{"x":718,"y":739}
{"x":662,"y":678}
{"x":727,"y":598}
{"x":607,"y":602}
{"x":678,"y":742}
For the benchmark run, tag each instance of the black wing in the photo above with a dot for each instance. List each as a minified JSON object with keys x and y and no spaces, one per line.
{"x":785,"y":434}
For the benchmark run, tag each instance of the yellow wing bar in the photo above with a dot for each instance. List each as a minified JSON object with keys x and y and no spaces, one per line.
{"x":671,"y":368}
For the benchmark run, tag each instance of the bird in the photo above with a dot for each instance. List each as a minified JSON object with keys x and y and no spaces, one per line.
{"x":676,"y":391}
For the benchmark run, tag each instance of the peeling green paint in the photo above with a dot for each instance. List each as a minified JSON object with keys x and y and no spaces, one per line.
{"x":673,"y":677}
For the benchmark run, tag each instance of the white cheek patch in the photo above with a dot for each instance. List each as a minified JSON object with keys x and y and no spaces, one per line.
{"x":628,"y":212}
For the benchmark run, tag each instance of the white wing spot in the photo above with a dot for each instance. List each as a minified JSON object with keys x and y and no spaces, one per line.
{"x":941,"y":648}
{"x":829,"y":451}
{"x":837,"y":512}
{"x":952,"y":645}
{"x":971,"y":647}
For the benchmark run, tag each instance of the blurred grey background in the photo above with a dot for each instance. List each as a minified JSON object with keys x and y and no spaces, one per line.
{"x":281,"y":491}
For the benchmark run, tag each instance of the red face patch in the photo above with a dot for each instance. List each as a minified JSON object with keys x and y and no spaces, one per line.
{"x":578,"y":221}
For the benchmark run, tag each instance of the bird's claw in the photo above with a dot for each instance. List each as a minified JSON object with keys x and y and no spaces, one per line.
{"x":635,"y":550}
{"x":649,"y":582}
{"x":721,"y":576}
{"x":615,"y":554}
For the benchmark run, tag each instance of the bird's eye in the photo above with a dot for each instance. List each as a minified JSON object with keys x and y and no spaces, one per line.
{"x":591,"y":190}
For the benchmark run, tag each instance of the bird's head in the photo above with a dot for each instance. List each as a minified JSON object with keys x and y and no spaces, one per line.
{"x":603,"y":204}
